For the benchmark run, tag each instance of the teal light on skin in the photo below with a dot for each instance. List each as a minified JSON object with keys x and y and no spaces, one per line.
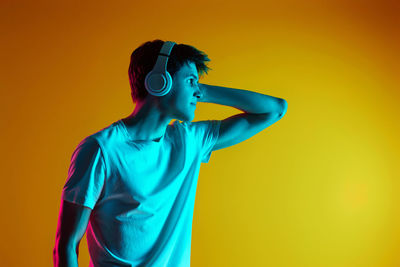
{"x":151,"y":116}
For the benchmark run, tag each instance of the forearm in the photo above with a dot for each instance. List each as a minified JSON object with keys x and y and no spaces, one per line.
{"x":65,"y":257}
{"x":247,"y":101}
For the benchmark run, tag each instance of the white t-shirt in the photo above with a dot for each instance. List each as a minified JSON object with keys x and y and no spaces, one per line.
{"x":141,"y":193}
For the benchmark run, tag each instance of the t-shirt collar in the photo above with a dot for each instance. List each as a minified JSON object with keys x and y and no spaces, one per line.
{"x":129,"y":138}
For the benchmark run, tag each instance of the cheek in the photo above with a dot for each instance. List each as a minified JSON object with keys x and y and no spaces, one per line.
{"x":179,"y":96}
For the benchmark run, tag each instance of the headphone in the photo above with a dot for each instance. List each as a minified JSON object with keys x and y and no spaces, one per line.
{"x":158,"y":82}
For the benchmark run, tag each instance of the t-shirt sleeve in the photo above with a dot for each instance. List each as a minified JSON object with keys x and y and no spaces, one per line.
{"x":206,"y":133}
{"x":86,"y":174}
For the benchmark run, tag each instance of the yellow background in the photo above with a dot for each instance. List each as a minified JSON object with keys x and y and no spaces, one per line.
{"x":319,"y":188}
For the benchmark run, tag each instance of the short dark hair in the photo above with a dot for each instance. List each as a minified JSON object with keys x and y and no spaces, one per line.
{"x":144,"y":58}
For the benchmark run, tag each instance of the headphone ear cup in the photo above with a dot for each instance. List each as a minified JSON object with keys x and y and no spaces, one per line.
{"x":168,"y":86}
{"x":158,"y":84}
{"x":154,"y":82}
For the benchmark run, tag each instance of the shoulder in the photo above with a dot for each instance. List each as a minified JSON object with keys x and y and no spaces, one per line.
{"x":108,"y":136}
{"x":199,"y":128}
{"x":97,"y":143}
{"x":86,"y":148}
{"x":195,"y":124}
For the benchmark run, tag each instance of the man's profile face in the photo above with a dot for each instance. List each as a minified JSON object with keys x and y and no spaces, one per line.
{"x":184,"y":93}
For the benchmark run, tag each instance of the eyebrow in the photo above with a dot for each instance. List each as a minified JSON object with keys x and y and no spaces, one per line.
{"x":192,"y":75}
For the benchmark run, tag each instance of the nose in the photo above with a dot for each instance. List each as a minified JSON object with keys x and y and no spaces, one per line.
{"x":198,"y":93}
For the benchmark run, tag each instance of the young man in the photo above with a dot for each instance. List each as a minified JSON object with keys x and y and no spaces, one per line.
{"x":131,"y":186}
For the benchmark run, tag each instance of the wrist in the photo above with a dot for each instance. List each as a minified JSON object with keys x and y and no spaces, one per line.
{"x":203,"y":89}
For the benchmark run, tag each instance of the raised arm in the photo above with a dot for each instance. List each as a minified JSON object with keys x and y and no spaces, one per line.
{"x":259,"y":112}
{"x":72,"y":223}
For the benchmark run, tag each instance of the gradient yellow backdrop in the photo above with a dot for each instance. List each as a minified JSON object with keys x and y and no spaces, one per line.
{"x":320,"y":188}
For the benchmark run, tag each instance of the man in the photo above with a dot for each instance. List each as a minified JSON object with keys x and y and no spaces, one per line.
{"x":131,"y":186}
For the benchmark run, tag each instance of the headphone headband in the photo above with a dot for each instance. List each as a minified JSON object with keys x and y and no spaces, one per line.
{"x":162,"y":60}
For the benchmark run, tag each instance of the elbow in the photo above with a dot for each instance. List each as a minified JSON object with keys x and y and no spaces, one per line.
{"x":283,"y":107}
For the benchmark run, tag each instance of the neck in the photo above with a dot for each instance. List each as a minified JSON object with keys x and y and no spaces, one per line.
{"x":147,"y":121}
